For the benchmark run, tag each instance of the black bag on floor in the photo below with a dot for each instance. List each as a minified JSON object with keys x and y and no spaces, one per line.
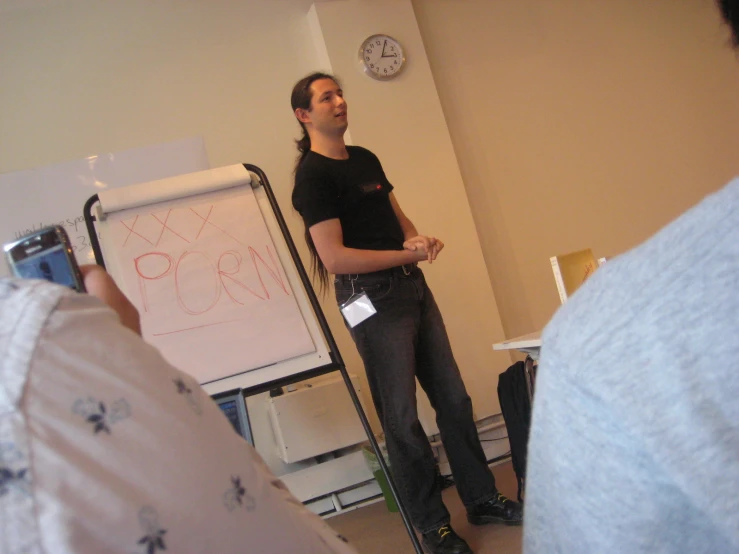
{"x":515,"y":392}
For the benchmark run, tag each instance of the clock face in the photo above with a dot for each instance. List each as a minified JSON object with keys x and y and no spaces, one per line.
{"x":381,"y":57}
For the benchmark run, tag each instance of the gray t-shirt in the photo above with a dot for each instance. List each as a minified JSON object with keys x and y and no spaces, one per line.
{"x":634,"y":444}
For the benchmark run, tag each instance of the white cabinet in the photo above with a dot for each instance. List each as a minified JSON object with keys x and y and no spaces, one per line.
{"x":313,"y":420}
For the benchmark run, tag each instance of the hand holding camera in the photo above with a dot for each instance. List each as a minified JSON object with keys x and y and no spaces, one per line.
{"x":47,"y":254}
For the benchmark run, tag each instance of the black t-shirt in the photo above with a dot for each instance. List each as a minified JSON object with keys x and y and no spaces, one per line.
{"x":356,"y":192}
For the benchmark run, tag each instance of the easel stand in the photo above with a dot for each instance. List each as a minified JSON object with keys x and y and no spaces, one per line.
{"x":337,"y":362}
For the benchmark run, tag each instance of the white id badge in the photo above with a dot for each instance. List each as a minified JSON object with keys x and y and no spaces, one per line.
{"x":358,"y":308}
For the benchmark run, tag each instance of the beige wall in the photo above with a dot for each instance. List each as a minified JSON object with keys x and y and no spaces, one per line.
{"x":579,"y":123}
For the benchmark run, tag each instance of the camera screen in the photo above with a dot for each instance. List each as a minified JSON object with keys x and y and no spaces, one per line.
{"x":51,"y":265}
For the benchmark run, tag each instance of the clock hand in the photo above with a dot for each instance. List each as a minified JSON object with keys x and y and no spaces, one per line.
{"x":387,"y":55}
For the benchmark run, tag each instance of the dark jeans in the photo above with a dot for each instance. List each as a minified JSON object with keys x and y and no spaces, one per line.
{"x":406,"y":339}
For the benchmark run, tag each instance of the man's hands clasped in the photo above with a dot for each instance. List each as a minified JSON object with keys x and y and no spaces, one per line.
{"x":427,"y":248}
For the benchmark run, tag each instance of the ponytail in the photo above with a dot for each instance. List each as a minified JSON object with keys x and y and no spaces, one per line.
{"x":303,"y":144}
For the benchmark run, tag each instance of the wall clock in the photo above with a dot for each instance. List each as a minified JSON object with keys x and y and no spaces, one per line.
{"x":381,"y":57}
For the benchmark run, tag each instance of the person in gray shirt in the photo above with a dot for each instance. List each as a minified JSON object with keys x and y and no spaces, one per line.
{"x":634,"y":445}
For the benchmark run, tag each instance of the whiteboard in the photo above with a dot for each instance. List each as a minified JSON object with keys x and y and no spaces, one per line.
{"x":55,"y":194}
{"x":211,"y":275}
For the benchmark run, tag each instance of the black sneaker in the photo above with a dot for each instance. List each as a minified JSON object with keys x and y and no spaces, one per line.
{"x":497,"y":510}
{"x":445,"y":541}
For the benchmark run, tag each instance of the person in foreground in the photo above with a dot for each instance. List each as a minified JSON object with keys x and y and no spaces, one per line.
{"x":104,"y":447}
{"x":356,"y":230}
{"x":634,"y":446}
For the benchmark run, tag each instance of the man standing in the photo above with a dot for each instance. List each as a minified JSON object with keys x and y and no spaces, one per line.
{"x":356,"y":230}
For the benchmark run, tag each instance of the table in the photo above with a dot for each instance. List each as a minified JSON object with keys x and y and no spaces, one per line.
{"x":529,"y":344}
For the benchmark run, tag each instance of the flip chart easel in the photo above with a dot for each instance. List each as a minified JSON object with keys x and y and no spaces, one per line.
{"x":174,"y":193}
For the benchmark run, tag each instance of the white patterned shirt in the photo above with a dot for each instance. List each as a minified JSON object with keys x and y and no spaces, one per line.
{"x":104,"y":447}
